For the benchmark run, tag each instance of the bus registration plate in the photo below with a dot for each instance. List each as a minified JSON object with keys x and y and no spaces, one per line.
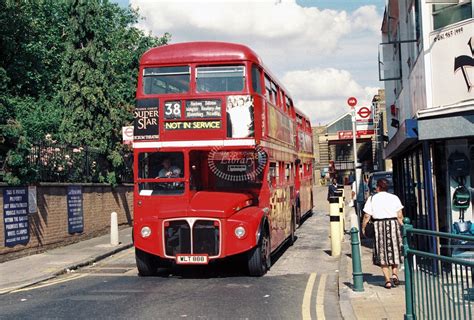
{"x":192,"y":259}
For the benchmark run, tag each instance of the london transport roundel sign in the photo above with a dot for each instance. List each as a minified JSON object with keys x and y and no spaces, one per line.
{"x":352,"y":101}
{"x":364,"y":112}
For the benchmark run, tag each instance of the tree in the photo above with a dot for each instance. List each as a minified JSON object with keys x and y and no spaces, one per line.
{"x":30,"y":42}
{"x":98,"y":77}
{"x":68,"y":69}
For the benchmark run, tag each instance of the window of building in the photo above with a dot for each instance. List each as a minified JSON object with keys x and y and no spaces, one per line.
{"x":446,"y":14}
{"x":414,"y":31}
{"x":220,"y":78}
{"x":165,"y":80}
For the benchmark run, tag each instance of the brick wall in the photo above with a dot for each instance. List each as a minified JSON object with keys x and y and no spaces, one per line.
{"x":49,"y":226}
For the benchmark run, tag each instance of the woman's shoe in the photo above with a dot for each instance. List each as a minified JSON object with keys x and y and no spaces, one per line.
{"x":395,"y":280}
{"x":388,"y":285}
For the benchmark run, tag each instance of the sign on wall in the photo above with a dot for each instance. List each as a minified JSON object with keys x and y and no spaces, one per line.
{"x":75,"y":217}
{"x":452,"y":62}
{"x":15,"y":216}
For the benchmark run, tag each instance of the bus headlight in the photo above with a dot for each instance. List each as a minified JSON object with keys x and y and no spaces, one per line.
{"x":240,"y":232}
{"x":146,"y":232}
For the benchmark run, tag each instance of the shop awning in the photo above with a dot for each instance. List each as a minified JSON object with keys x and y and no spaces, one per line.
{"x":406,"y":135}
{"x":454,"y":121}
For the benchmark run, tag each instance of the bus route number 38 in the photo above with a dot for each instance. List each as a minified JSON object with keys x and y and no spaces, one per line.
{"x":172,"y":109}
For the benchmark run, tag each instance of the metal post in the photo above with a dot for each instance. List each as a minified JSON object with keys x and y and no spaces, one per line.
{"x":356,"y":261}
{"x":334,"y":219}
{"x":354,"y":146}
{"x":407,"y":263}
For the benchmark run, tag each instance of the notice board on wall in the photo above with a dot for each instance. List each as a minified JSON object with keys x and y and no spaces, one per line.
{"x":15,"y":216}
{"x":75,"y":217}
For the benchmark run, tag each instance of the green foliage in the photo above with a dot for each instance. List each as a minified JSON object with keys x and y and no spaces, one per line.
{"x":68,"y":70}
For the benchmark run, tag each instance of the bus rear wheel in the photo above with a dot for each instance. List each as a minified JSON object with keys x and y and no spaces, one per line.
{"x":146,"y":263}
{"x":259,"y":258}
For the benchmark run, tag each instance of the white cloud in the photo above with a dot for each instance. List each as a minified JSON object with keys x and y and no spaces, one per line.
{"x":366,"y":18}
{"x":284,"y":23}
{"x":321,"y":56}
{"x":322,"y":93}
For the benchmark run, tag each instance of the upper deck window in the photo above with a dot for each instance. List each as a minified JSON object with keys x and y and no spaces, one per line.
{"x":220,"y":78}
{"x":166,"y":80}
{"x":256,"y":79}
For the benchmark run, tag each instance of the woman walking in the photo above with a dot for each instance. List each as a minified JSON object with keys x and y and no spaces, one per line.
{"x":385,"y":209}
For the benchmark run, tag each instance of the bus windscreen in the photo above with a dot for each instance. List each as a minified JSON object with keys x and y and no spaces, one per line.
{"x":166,"y":80}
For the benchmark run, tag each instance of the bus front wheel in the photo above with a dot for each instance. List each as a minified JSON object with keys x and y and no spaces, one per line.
{"x":146,"y":263}
{"x":259,"y":258}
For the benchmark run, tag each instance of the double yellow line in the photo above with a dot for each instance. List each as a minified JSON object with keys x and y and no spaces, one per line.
{"x":50,"y":283}
{"x":306,"y":306}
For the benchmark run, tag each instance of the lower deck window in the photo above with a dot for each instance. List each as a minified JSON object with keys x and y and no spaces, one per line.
{"x":167,"y":168}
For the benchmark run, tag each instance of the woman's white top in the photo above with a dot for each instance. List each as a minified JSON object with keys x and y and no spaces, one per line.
{"x":383,"y":205}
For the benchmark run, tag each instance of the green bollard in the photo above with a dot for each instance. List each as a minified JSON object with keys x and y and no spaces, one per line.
{"x":356,"y":262}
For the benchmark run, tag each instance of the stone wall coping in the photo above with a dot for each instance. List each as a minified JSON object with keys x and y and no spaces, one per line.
{"x":63,"y":184}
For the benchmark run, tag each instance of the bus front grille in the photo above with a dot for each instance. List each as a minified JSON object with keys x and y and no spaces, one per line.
{"x":205,"y":237}
{"x":177,"y":238}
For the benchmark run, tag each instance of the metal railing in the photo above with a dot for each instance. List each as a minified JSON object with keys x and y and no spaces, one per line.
{"x":55,"y":162}
{"x":438,"y":286}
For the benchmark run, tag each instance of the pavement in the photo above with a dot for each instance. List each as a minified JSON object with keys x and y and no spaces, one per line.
{"x":30,"y":270}
{"x":375,"y":302}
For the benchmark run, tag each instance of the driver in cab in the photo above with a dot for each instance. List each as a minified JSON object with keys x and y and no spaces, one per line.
{"x":168,"y":170}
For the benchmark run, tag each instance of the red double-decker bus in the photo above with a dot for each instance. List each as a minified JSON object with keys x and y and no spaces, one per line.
{"x":223,"y":160}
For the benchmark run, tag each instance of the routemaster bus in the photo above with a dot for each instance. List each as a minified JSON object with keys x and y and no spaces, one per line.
{"x":223,"y":159}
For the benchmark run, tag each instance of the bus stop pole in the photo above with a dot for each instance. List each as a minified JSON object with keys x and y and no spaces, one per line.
{"x":354,"y":145}
{"x":334,"y":222}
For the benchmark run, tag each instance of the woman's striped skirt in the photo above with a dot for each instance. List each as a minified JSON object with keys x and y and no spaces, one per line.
{"x":388,"y":242}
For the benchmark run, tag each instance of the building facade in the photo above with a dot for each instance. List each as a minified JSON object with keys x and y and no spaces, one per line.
{"x":426,"y":59}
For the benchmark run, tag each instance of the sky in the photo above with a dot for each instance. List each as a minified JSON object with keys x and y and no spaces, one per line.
{"x":322,"y":51}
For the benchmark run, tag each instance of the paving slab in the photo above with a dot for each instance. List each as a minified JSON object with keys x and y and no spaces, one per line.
{"x":26,"y":271}
{"x":375,"y":302}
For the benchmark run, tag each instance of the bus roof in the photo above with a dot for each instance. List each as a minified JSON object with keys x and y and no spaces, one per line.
{"x":199,"y":52}
{"x":206,"y":51}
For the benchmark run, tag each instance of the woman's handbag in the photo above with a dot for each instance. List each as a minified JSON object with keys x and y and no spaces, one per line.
{"x":370,"y":230}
